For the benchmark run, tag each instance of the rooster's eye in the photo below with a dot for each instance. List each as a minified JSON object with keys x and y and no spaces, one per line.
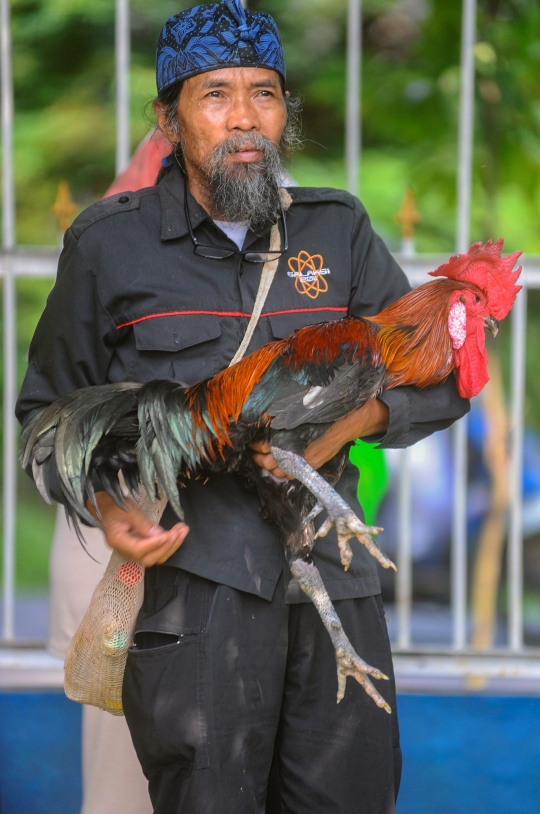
{"x":476,"y":298}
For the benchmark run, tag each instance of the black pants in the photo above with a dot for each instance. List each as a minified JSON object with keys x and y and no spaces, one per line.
{"x":238,"y":714}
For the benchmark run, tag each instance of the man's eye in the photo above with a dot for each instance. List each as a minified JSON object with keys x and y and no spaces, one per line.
{"x":215,"y":94}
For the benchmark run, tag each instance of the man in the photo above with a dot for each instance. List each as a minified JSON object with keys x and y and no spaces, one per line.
{"x":230,"y":688}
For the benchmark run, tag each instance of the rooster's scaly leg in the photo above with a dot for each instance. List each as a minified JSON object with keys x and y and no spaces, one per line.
{"x":348,"y":661}
{"x":340,"y":513}
{"x":315,"y":512}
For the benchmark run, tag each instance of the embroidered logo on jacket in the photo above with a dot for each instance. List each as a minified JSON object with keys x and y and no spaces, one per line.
{"x":309,"y":274}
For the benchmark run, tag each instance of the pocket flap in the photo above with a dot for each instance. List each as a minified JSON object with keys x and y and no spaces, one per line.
{"x":283,"y":325}
{"x":173,"y":333}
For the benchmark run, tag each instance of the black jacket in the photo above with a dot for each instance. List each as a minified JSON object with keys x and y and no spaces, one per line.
{"x":132,"y":302}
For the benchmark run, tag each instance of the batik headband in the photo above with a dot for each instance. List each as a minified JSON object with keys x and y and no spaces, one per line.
{"x":216,"y":35}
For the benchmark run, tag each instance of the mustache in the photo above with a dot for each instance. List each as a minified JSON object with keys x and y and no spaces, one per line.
{"x":243,"y":141}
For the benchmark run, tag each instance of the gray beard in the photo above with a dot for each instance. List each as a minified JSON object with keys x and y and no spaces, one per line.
{"x":244,"y":192}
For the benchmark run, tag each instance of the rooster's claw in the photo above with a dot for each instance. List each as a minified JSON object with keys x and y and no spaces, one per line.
{"x":347,"y":526}
{"x":340,"y":513}
{"x":349,"y":663}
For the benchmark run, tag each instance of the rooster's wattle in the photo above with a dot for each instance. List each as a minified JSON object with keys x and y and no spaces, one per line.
{"x":288,"y":392}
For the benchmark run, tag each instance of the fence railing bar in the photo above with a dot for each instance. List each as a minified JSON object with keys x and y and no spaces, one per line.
{"x":466,"y":126}
{"x":8,"y":193}
{"x":122,"y":60}
{"x":464,"y":195}
{"x":458,"y":577}
{"x":418,"y":266}
{"x":9,"y":457}
{"x":33,"y":261}
{"x":353,"y":98}
{"x":403,"y":554}
{"x":8,"y":307}
{"x":515,"y":537}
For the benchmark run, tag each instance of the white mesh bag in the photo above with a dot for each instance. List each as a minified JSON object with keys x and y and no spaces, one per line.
{"x":96,"y":658}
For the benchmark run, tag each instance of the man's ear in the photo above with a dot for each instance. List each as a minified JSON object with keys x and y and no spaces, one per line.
{"x":161,"y":116}
{"x":160,"y":113}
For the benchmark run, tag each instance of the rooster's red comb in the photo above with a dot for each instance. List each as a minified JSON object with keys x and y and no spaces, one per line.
{"x":484,"y":267}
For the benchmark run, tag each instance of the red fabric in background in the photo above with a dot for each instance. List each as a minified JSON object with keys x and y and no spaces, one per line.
{"x":144,"y":166}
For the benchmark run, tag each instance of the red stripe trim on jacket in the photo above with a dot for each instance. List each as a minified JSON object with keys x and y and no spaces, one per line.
{"x":229,"y":314}
{"x":303,"y":311}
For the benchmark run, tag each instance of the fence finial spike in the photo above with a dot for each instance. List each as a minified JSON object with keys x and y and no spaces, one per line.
{"x":408,"y":215}
{"x":64,"y":207}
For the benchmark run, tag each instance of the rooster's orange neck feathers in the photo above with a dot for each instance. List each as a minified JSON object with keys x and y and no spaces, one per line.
{"x":415,"y":344}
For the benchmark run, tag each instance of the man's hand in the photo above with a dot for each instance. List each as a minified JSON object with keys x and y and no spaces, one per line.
{"x":371,"y":419}
{"x":133,"y":535}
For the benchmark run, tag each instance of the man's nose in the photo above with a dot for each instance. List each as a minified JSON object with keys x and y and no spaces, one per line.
{"x":243,"y":116}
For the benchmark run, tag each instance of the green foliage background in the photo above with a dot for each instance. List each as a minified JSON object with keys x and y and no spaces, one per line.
{"x":63,"y":62}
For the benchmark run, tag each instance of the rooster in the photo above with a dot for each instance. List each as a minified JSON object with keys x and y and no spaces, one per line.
{"x":288,"y":392}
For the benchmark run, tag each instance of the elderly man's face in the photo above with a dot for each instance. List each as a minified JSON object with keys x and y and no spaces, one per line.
{"x":218,"y":105}
{"x":229,"y":126}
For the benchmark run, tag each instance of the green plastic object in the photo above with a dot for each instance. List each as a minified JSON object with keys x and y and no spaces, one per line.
{"x":374,"y":478}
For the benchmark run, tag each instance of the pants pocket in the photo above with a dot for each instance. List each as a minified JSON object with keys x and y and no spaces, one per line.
{"x":164,"y":704}
{"x":151,"y":640}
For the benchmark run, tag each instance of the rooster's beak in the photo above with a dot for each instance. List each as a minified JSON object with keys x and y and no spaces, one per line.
{"x":492,"y":325}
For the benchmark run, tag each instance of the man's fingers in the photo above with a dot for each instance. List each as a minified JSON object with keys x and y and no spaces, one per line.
{"x":114,"y":519}
{"x":146,"y":550}
{"x":265,"y":461}
{"x":261,"y":446}
{"x":268,"y":462}
{"x":166,"y":552}
{"x":280,"y":474}
{"x":135,"y":536}
{"x":160,"y":555}
{"x":132,"y":546}
{"x":141,"y":523}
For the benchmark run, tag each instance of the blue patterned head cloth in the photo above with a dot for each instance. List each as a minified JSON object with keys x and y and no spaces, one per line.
{"x":216,"y":35}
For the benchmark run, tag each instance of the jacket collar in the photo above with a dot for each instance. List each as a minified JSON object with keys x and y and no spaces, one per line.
{"x":171,"y":196}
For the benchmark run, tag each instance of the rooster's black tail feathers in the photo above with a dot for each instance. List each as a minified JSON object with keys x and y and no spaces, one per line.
{"x":145,"y":431}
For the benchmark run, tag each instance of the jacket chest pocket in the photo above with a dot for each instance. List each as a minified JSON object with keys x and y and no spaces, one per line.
{"x":183,"y":347}
{"x":284,"y":325}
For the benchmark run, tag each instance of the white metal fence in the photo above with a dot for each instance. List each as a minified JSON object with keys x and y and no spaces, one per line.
{"x":413,"y":663}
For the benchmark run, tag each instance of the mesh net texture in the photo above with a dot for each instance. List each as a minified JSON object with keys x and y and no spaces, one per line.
{"x":96,"y":658}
